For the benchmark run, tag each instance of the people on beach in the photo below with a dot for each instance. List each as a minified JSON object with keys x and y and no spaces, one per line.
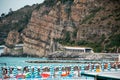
{"x":66,"y":71}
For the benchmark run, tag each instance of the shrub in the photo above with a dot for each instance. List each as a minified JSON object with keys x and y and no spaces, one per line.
{"x":115,"y":40}
{"x":88,"y":18}
{"x":82,"y":42}
{"x":67,"y":1}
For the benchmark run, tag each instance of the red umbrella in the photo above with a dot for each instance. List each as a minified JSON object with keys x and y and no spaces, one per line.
{"x":45,"y":75}
{"x":20,"y":76}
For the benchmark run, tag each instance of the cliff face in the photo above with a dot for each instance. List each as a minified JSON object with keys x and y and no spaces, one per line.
{"x":72,"y":22}
{"x":12,"y":39}
{"x":15,"y":20}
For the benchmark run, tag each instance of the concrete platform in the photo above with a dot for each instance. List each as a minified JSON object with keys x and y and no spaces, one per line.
{"x":114,"y":75}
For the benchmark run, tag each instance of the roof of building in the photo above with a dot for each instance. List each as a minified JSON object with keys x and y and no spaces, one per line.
{"x":67,"y":47}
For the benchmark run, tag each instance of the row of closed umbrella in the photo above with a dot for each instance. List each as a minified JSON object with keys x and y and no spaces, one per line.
{"x":18,"y":72}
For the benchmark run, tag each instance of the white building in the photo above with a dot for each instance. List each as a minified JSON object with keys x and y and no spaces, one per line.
{"x":1,"y":49}
{"x":119,"y":58}
{"x":78,"y":50}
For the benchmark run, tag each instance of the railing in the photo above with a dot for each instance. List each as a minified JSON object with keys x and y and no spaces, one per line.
{"x":54,"y":71}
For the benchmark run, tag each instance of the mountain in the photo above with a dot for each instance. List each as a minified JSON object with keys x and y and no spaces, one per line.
{"x":15,"y":20}
{"x":91,"y":23}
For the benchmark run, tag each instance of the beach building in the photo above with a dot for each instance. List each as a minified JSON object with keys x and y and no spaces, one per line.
{"x":78,"y":50}
{"x":119,"y":58}
{"x":1,"y":49}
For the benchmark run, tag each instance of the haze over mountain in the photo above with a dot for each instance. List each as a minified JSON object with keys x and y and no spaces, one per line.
{"x":5,"y":5}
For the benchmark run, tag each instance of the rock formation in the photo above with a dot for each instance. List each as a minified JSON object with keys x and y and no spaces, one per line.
{"x":70,"y":20}
{"x":11,"y":41}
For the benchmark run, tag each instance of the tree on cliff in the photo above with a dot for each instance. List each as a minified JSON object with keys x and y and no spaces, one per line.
{"x":3,"y":15}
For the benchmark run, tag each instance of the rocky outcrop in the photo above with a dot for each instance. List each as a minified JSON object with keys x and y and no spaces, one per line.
{"x":70,"y":20}
{"x":11,"y":41}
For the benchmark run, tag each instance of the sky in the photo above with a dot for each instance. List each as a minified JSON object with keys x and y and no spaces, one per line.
{"x":5,"y":5}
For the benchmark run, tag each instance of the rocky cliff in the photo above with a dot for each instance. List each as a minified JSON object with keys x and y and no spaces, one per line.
{"x":93,"y":23}
{"x":15,"y":20}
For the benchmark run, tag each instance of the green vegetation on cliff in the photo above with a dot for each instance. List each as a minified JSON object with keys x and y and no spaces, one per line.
{"x":103,"y":20}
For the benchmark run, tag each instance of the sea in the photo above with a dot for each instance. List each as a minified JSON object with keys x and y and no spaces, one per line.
{"x":17,"y":61}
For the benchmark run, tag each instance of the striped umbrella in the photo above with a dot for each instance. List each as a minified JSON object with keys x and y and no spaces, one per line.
{"x":40,"y":69}
{"x":51,"y":70}
{"x":36,"y":72}
{"x":0,"y":72}
{"x":8,"y":71}
{"x":94,"y":68}
{"x":15,"y":72}
{"x":109,"y":66}
{"x":32,"y":73}
{"x":72,"y":70}
{"x":116,"y":67}
{"x":90,"y":68}
{"x":60,"y":70}
{"x":82,"y":68}
{"x":102,"y":65}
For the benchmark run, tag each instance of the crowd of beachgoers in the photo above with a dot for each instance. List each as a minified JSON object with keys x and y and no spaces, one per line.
{"x":47,"y":71}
